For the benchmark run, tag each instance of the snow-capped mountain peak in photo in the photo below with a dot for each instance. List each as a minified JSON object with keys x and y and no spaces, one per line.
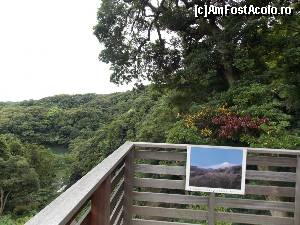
{"x":221,"y":166}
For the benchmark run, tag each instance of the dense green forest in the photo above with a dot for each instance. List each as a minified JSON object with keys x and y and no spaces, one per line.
{"x":231,"y":80}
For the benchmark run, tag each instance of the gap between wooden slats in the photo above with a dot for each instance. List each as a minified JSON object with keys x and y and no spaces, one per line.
{"x":119,"y":219}
{"x":116,"y":195}
{"x":116,"y":211}
{"x":117,"y":178}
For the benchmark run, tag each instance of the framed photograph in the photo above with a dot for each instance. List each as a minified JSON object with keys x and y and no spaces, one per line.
{"x":216,"y":169}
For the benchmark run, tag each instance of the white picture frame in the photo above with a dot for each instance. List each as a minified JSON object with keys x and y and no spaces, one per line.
{"x":229,"y":159}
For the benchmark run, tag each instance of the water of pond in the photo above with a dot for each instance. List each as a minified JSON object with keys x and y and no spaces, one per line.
{"x":59,"y":149}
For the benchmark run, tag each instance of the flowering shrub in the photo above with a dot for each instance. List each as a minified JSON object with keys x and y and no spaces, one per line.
{"x":233,"y":125}
{"x":221,"y":123}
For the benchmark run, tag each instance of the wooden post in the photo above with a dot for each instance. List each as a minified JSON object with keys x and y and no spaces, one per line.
{"x":100,"y":204}
{"x":128,"y":188}
{"x":211,"y":208}
{"x":297,"y":195}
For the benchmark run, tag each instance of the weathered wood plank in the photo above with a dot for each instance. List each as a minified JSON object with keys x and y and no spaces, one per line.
{"x":159,"y":183}
{"x":270,"y":176}
{"x":160,"y":169}
{"x":159,"y":145}
{"x":170,"y":212}
{"x":160,"y":155}
{"x":184,"y":146}
{"x":255,"y":204}
{"x":253,"y":219}
{"x":128,"y":188}
{"x":273,"y":151}
{"x":64,"y":207}
{"x":211,"y":208}
{"x":250,"y":174}
{"x":100,"y":204}
{"x":271,"y":161}
{"x":220,"y":202}
{"x":170,"y":198}
{"x":180,"y":185}
{"x":154,"y":222}
{"x":270,"y":190}
{"x":251,"y":160}
{"x":297,"y":194}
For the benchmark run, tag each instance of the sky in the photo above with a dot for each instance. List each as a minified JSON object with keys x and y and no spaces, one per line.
{"x":210,"y":157}
{"x":47,"y":47}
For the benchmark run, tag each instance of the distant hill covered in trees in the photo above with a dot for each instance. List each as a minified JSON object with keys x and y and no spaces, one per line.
{"x":227,"y":178}
{"x":87,"y":128}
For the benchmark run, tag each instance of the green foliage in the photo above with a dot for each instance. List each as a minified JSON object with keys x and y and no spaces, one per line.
{"x":180,"y":133}
{"x":93,"y":129}
{"x":8,"y":220}
{"x":25,"y":170}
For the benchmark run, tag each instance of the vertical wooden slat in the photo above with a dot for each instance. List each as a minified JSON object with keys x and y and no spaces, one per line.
{"x":211,"y":208}
{"x":128,"y":188}
{"x":100,"y":204}
{"x":297,"y":196}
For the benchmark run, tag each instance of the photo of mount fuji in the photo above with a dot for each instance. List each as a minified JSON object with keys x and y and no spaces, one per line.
{"x":216,"y":168}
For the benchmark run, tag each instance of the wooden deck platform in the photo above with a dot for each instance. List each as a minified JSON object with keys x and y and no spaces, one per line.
{"x":143,"y":184}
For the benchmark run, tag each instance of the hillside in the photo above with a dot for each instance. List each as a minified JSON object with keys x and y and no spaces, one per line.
{"x":227,"y":177}
{"x":56,"y":140}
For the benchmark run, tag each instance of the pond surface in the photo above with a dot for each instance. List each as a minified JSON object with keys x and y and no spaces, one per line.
{"x":59,"y":149}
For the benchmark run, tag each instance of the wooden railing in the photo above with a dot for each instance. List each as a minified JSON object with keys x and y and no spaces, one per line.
{"x":143,"y":184}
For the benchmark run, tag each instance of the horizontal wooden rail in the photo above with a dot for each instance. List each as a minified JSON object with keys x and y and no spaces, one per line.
{"x":66,"y":206}
{"x":250,"y":174}
{"x":220,"y":202}
{"x":154,"y":222}
{"x":254,"y":219}
{"x":180,"y":185}
{"x":188,"y":214}
{"x":184,"y":146}
{"x":170,"y":198}
{"x":251,"y":160}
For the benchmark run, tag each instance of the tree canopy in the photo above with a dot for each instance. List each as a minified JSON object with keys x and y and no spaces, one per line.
{"x":164,"y":42}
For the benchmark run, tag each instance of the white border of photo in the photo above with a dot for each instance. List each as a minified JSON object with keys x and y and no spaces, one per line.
{"x":216,"y":190}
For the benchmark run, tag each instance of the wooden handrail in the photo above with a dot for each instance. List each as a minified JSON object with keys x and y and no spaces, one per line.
{"x":184,"y":146}
{"x":65,"y":207}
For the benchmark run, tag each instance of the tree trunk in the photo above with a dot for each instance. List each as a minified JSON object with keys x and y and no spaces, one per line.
{"x":227,"y":68}
{"x":3,"y":200}
{"x":228,"y":74}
